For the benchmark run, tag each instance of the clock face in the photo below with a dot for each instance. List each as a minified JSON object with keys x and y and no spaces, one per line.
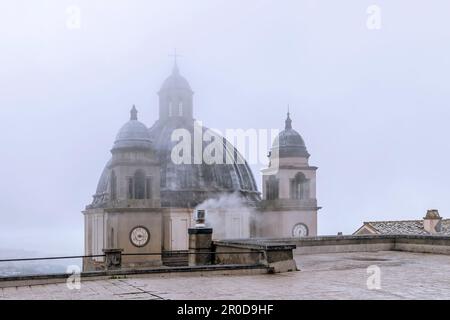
{"x":300,"y":230}
{"x":139,"y":236}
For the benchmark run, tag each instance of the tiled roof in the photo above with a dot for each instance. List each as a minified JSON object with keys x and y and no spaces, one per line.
{"x":411,"y":227}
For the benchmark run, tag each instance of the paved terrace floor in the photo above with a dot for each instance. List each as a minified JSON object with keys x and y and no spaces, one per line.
{"x":323,"y":276}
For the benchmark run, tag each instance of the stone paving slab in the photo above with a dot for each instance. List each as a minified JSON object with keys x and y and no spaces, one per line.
{"x":322,"y":276}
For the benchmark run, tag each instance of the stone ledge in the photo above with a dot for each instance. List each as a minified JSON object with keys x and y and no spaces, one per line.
{"x":200,"y":231}
{"x":333,"y":244}
{"x":354,"y":237}
{"x":262,"y":245}
{"x":278,"y":257}
{"x":365,"y":243}
{"x":16,"y":281}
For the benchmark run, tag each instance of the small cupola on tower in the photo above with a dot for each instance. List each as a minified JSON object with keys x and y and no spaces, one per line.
{"x":289,"y":143}
{"x":134,"y":167}
{"x":133,"y":134}
{"x":175,"y":97}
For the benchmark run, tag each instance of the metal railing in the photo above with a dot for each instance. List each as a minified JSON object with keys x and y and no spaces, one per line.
{"x":192,"y":253}
{"x":131,"y":254}
{"x":51,"y":258}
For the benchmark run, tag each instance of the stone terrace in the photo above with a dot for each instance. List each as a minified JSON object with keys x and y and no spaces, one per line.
{"x":404,"y":275}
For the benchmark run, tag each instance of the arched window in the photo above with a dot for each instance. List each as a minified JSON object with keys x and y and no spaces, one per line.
{"x":180,"y":109}
{"x":139,"y":185}
{"x":299,"y":187}
{"x":272,"y":188}
{"x":113,"y":186}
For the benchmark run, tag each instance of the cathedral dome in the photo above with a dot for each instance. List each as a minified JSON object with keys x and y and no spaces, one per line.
{"x":182,"y":185}
{"x":187,"y":185}
{"x":133,"y":134}
{"x":289,"y":143}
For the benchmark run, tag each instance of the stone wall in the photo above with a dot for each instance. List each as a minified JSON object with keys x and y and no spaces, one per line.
{"x":230,"y":253}
{"x":367,"y":243}
{"x":277,"y":256}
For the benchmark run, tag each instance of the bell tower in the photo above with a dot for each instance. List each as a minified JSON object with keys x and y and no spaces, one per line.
{"x":289,"y":188}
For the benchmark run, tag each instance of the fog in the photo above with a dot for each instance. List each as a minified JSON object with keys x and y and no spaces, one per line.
{"x":372,"y":105}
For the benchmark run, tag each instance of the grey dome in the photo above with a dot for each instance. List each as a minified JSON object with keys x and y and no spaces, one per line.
{"x":133,"y":134}
{"x":187,"y":185}
{"x":175,"y":81}
{"x":289,"y":143}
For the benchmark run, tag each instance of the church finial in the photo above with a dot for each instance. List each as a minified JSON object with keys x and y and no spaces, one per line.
{"x":288,"y":121}
{"x":133,"y":113}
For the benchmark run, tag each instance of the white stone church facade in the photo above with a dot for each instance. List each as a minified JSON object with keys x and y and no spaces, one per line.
{"x":145,"y":202}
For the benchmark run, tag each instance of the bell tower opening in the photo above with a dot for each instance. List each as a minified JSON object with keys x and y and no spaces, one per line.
{"x":299,"y":187}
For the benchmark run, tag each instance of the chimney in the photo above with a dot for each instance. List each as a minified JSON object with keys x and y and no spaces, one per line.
{"x":432,"y":221}
{"x":200,"y":218}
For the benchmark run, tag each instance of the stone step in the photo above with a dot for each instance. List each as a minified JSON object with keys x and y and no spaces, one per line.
{"x":175,"y":258}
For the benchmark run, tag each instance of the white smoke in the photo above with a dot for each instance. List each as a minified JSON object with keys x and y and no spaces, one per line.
{"x":229,"y":216}
{"x":224,"y":201}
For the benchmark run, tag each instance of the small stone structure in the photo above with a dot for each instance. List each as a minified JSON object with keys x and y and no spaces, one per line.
{"x":113,"y":259}
{"x":200,"y":246}
{"x":277,"y":257}
{"x":432,"y":222}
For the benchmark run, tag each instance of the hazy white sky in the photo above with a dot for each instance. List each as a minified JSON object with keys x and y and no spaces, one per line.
{"x":372,"y":105}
